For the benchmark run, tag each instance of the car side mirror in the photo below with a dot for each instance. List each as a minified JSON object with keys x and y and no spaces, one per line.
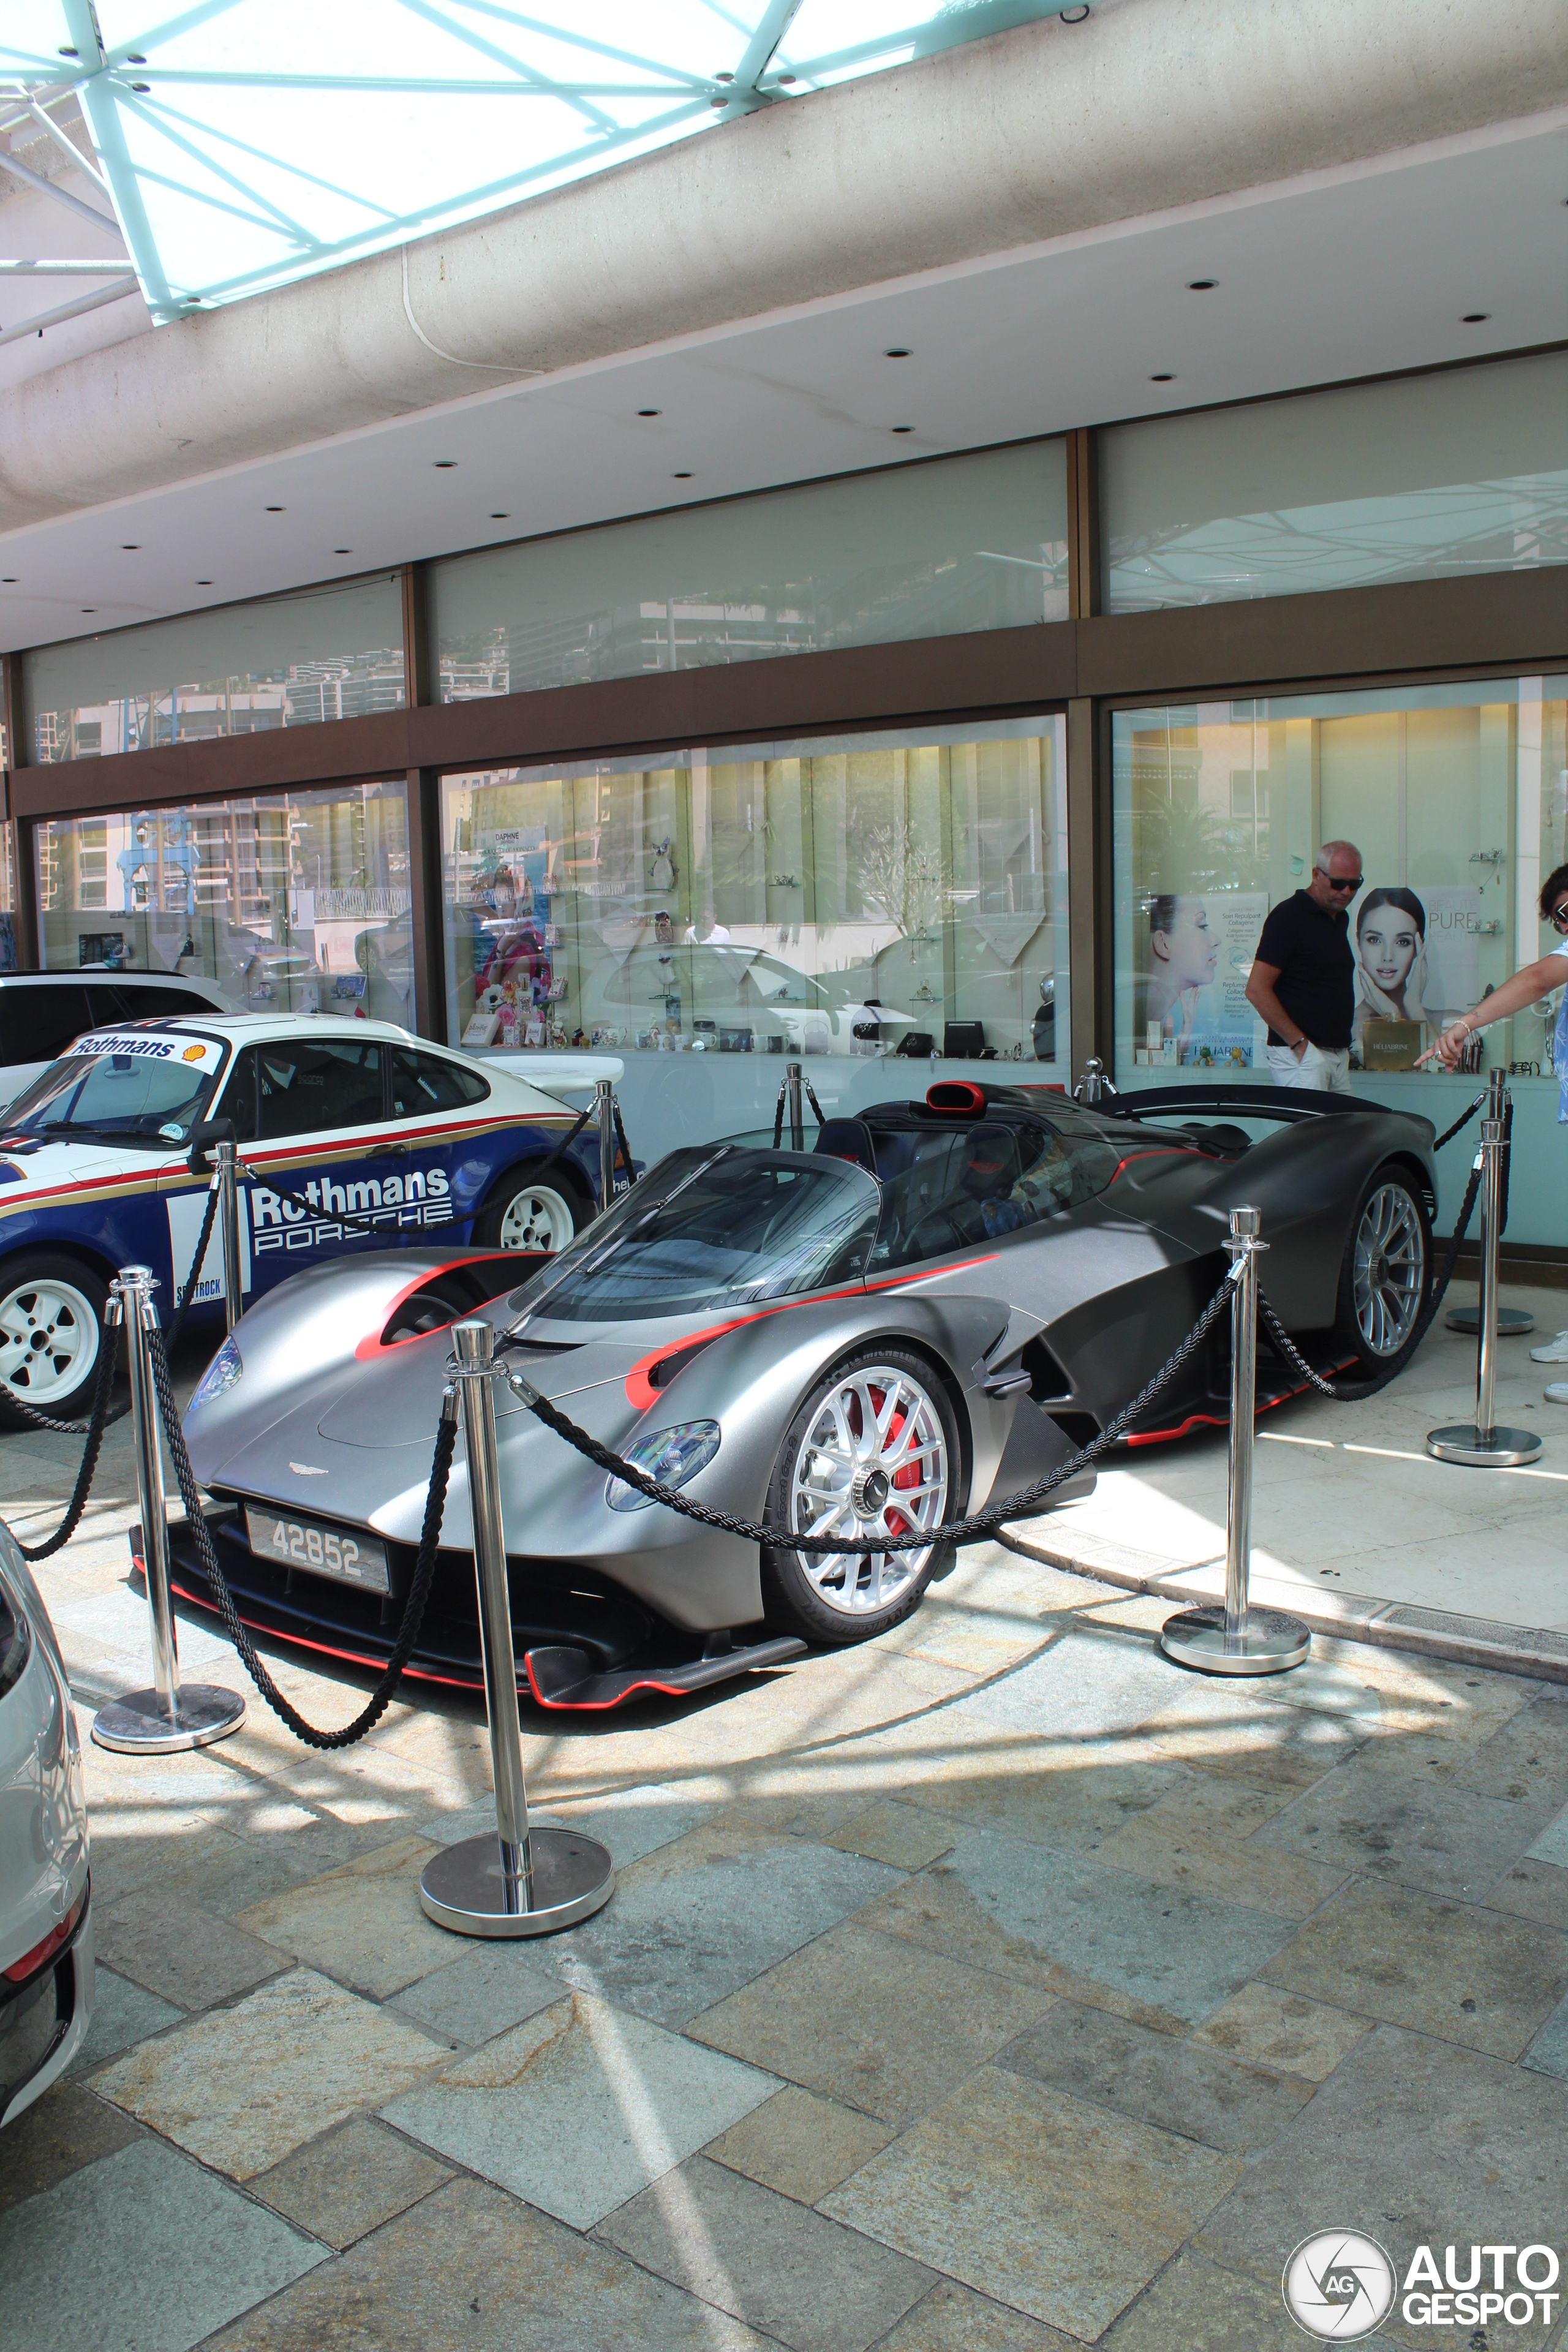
{"x":204,"y":1135}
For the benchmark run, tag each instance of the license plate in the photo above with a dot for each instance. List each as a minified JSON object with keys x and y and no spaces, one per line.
{"x":318,"y":1551}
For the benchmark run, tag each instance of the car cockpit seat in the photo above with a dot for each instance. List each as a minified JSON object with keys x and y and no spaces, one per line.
{"x":991,"y":1166}
{"x":848,"y":1138}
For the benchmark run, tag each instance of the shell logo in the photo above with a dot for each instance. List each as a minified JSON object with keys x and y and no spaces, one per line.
{"x":194,"y":1053}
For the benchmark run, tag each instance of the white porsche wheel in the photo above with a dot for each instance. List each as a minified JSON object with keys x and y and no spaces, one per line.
{"x":536,"y":1217}
{"x":50,"y":1339}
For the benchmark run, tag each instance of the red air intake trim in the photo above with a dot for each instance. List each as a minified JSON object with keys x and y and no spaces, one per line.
{"x":960,"y":1095}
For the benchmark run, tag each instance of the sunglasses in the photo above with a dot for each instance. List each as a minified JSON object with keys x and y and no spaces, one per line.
{"x":1559,"y":917}
{"x":1356,"y":882}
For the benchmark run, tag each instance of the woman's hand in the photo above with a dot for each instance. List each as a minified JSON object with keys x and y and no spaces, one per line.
{"x":1449,"y":1047}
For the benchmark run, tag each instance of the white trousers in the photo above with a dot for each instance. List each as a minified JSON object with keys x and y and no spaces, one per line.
{"x":1321,"y":1073}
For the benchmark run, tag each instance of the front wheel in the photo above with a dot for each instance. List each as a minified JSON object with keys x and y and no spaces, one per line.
{"x":523,"y":1214}
{"x":1386,"y":1271}
{"x":51,"y":1328}
{"x":872,"y":1452}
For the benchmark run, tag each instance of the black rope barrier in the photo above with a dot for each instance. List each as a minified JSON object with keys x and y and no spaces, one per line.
{"x":419,"y":1591}
{"x":1462,"y":1121}
{"x":1357,"y":1391}
{"x":981,"y":1523}
{"x":98,"y":1420}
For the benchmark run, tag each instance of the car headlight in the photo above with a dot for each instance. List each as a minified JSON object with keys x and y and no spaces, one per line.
{"x":670,"y":1457}
{"x":219,"y":1377}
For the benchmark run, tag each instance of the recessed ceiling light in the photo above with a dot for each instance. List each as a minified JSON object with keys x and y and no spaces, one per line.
{"x":897,"y":351}
{"x":904,"y":428}
{"x":650,"y":412}
{"x":142,"y":88}
{"x":1476,"y":318}
{"x":1073,"y":15}
{"x":501,"y":514}
{"x":723,"y":76}
{"x":788,"y":77}
{"x":682,"y":477}
{"x":9,"y":581}
{"x":1202,"y":285}
{"x":343,"y":550}
{"x":274,"y":509}
{"x":67,"y":53}
{"x":130,"y":546}
{"x":717,"y":101}
{"x":90,"y":608}
{"x":445,"y":465}
{"x":204,"y":584}
{"x":134,"y":60}
{"x":1161,"y":379}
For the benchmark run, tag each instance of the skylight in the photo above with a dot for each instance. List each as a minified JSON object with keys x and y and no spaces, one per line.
{"x":248,"y":142}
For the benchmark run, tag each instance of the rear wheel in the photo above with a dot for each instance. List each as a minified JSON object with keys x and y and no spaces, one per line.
{"x":524,"y":1213}
{"x":51,"y":1328}
{"x":873,"y":1451}
{"x":1386,"y":1271}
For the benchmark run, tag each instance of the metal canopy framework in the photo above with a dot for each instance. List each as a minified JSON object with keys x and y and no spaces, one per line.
{"x":243,"y":143}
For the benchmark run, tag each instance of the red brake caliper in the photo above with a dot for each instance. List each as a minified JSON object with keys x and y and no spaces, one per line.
{"x":907,"y":1477}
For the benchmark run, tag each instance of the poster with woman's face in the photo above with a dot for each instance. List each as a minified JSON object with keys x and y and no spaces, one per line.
{"x":1417,"y":952}
{"x":1192,"y":1002}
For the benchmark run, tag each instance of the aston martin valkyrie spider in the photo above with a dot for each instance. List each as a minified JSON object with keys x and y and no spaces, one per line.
{"x":935,"y":1305}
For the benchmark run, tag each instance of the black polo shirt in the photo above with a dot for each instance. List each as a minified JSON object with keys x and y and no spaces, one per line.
{"x":1312,"y":950}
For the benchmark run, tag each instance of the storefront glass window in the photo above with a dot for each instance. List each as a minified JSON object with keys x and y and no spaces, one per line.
{"x":861,"y":903}
{"x":924,"y":550}
{"x":1457,"y":796}
{"x":295,"y":901}
{"x":244,"y":669}
{"x":1415,"y":480}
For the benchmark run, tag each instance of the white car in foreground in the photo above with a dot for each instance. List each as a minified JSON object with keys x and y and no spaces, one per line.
{"x":46,"y":1923}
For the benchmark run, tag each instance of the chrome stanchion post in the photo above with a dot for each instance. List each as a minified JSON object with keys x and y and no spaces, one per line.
{"x":519,"y":1881}
{"x":157,"y":1721}
{"x":796,"y":1115}
{"x":1507,"y":1322}
{"x":1240,"y":1639}
{"x":228,"y":1226}
{"x":603,"y":1097}
{"x":1481,"y":1444}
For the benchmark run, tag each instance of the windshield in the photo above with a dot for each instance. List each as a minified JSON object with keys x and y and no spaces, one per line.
{"x":138,"y":1086}
{"x":712,"y":1229}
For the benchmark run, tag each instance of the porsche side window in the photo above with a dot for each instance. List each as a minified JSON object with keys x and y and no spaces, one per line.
{"x":426,"y":1082}
{"x":301,"y":1087}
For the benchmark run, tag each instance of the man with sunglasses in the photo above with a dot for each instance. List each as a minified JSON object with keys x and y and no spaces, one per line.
{"x":1537,"y":980}
{"x":1302,"y":980}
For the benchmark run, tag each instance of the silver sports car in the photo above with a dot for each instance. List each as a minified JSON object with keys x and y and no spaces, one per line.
{"x":46,"y":1921}
{"x":933,"y":1306}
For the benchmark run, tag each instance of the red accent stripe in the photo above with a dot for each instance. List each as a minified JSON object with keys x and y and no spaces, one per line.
{"x":1222,"y":1420}
{"x":598,"y":1705}
{"x":371,"y":1345}
{"x":1155,"y":1151}
{"x":640,"y":1391}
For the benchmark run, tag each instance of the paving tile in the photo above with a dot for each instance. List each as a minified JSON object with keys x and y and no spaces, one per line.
{"x":1552,"y":1845}
{"x":1203,"y":2308}
{"x":183,"y":1954}
{"x":1062,"y":2210}
{"x":1265,"y":2027}
{"x":1051,"y":1803}
{"x":580,"y":2107}
{"x":801,"y":2145}
{"x":141,"y":2249}
{"x":701,"y":1918}
{"x":477,"y":1997}
{"x":1532,"y":1890}
{"x":871,"y":2020}
{"x":630,"y":1826}
{"x":361,"y":1923}
{"x":1176,"y":2086}
{"x":1548,"y":2051}
{"x":1473,"y":1977}
{"x":1175,"y":1850}
{"x":1159,"y":1953}
{"x":1372,"y":1817}
{"x":1091,"y":1681}
{"x":61,"y":2131}
{"x":767,"y":2260}
{"x":123,"y":2012}
{"x":470,"y":2271}
{"x":954,"y":2319}
{"x":1526,"y":1760}
{"x":899,"y":1834}
{"x":350,"y":2182}
{"x":243,"y":2086}
{"x":1416,"y":2142}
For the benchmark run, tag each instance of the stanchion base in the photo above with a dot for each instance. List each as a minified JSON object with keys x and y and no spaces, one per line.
{"x":137,"y":1725}
{"x":1272,"y":1644}
{"x":1513,"y":1322}
{"x":461,"y":1887}
{"x":1477,"y":1449}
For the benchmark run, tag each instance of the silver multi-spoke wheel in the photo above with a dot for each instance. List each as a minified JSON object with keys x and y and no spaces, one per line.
{"x":537,"y":1217}
{"x":48,"y":1340}
{"x":1390,"y":1269}
{"x":872,"y":1464}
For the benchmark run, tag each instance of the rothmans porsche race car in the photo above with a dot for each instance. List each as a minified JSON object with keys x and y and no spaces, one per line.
{"x":354,"y":1135}
{"x":933,"y":1306}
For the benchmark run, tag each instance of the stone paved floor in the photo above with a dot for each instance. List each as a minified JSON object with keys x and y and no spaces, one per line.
{"x":996,"y":1987}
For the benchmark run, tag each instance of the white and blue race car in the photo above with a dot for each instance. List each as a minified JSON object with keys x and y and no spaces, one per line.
{"x":352,"y":1134}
